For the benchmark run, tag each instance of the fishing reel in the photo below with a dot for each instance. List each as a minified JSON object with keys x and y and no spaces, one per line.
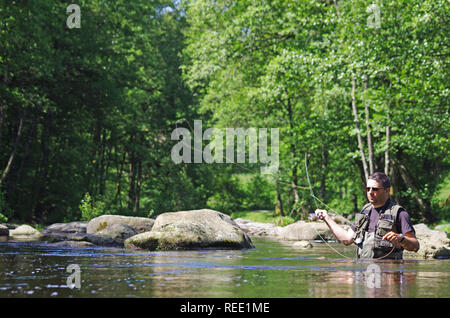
{"x":315,"y":216}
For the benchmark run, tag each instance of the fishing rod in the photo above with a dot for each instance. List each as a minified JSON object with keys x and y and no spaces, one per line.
{"x":317,"y":207}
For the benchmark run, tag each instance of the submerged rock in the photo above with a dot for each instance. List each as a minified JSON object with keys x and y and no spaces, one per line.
{"x":73,"y":244}
{"x":192,"y":230}
{"x":302,"y":245}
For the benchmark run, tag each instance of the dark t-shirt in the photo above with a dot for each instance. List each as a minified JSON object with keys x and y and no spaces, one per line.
{"x":403,"y":222}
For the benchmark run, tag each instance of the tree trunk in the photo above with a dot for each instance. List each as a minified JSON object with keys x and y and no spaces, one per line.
{"x":1,"y":119}
{"x":132,"y":176}
{"x":428,"y":215}
{"x":279,"y":201}
{"x":355,"y":205}
{"x":324,"y":172}
{"x":337,"y":8}
{"x":119,"y":169}
{"x":388,"y":140}
{"x":39,"y":205}
{"x":388,"y":133}
{"x":368,"y":128}
{"x":358,"y":131}
{"x":26,"y":147}
{"x":14,"y":150}
{"x":293,"y":151}
{"x":138,"y":188}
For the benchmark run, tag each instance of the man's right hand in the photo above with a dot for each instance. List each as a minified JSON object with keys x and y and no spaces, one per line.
{"x":321,"y":214}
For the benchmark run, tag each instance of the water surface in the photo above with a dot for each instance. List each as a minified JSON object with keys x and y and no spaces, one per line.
{"x":272,"y":269}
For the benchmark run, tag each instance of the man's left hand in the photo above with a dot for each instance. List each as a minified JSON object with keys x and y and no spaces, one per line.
{"x":393,"y":237}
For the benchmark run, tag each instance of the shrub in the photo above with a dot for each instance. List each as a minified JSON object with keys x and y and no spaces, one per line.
{"x":90,"y":209}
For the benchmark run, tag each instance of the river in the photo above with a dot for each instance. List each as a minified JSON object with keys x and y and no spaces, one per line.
{"x":273,"y":269}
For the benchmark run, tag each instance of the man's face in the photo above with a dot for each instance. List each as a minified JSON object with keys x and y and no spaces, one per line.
{"x":376,"y":197}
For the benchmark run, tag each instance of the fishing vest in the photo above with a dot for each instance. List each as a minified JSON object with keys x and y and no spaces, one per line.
{"x":372,"y":245}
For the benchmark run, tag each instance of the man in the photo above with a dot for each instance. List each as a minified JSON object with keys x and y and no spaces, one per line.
{"x":382,"y":229}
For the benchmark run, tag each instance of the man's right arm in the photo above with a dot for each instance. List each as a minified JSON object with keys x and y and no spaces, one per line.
{"x":345,"y":237}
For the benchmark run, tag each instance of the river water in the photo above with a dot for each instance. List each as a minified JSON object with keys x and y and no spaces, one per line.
{"x":273,"y":269}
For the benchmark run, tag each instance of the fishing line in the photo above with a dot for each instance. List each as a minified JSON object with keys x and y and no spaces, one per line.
{"x":317,"y":207}
{"x":300,"y":187}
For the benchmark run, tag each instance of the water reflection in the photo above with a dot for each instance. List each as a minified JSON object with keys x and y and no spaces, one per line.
{"x":271,"y":270}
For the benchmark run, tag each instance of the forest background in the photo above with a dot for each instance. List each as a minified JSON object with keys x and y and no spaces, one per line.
{"x":354,"y":86}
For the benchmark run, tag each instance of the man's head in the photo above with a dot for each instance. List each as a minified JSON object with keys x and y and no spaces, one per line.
{"x":377,"y":189}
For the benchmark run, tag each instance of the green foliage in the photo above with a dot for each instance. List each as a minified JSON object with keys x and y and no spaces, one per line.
{"x":242,"y":192}
{"x":90,"y":209}
{"x":4,"y":210}
{"x":290,"y":64}
{"x":91,"y":110}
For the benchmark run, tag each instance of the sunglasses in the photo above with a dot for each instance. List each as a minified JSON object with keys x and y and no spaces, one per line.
{"x":373,"y":189}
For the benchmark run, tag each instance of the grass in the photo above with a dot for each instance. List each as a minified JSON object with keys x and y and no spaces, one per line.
{"x":445,"y":227}
{"x":263,"y":217}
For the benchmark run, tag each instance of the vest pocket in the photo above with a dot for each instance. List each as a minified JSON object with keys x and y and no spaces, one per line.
{"x":384,"y":226}
{"x":360,"y":219}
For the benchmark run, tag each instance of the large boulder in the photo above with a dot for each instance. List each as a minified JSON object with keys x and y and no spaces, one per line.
{"x":433,"y":244}
{"x":113,"y":235}
{"x":25,"y":233}
{"x":140,"y":224}
{"x":307,"y":231}
{"x":192,"y":230}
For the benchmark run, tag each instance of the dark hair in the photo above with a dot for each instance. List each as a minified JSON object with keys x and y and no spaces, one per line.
{"x":381,"y":178}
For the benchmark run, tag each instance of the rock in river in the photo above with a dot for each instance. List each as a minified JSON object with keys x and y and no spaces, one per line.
{"x":72,"y":244}
{"x":71,"y":227}
{"x":192,"y":230}
{"x":65,"y":231}
{"x":433,"y":244}
{"x":112,"y":235}
{"x":258,"y":228}
{"x":140,"y":224}
{"x":25,"y":233}
{"x":302,"y":230}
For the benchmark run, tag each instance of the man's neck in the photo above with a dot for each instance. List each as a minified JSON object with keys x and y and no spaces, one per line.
{"x":382,"y":205}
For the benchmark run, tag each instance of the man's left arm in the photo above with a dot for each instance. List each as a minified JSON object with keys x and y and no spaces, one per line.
{"x":409,"y":241}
